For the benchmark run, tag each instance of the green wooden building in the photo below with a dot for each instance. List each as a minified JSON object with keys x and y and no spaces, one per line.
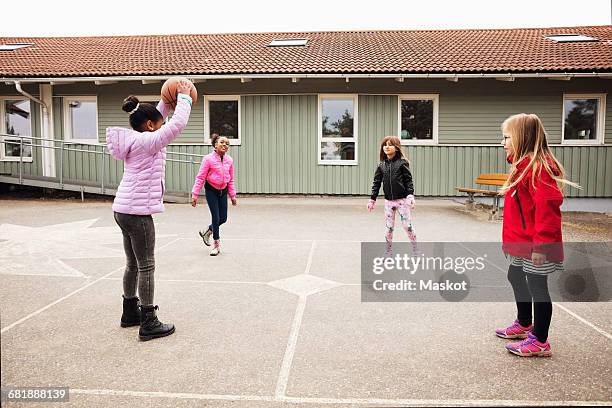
{"x":305,"y":112}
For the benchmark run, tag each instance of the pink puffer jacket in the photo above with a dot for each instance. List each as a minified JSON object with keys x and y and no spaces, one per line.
{"x":142,"y":188}
{"x":216,"y":172}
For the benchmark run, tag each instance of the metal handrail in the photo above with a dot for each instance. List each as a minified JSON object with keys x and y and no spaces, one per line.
{"x":3,"y":135}
{"x":62,"y":148}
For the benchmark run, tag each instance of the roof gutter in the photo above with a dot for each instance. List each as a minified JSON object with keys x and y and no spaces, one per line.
{"x":102,"y":79}
{"x":30,"y":97}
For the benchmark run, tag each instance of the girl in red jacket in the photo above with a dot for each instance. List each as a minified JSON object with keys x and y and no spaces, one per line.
{"x":531,"y":230}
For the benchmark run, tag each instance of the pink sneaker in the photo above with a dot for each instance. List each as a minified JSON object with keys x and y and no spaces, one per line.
{"x":516,"y":331}
{"x":530,"y":347}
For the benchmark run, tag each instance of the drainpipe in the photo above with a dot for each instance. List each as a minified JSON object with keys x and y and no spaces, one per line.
{"x":48,"y":154}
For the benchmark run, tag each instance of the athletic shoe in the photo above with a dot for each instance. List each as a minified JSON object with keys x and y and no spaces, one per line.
{"x":515,"y":331}
{"x":216,"y":248}
{"x":205,"y":236}
{"x":530,"y":347}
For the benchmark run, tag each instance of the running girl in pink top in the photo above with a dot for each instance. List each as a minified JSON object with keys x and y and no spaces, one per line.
{"x":217,"y":176}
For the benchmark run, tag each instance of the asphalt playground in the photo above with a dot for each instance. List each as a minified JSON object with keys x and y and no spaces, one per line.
{"x":277,"y":319}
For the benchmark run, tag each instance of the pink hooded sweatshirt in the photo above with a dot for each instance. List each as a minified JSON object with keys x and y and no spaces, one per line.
{"x":216,"y":172}
{"x":142,"y":187}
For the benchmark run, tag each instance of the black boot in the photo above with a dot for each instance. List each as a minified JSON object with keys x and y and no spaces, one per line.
{"x":131,"y":315}
{"x":150,"y":326}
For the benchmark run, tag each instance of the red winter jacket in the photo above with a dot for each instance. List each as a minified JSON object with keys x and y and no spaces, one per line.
{"x":532,"y":216}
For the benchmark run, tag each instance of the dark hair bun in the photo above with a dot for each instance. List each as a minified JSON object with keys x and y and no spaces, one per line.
{"x":129,"y":103}
{"x":213,"y":139}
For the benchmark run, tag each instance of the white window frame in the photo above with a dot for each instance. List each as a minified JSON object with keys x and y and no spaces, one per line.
{"x":601,"y":119}
{"x":3,"y":130}
{"x":67,"y":120}
{"x":416,"y":97}
{"x":354,"y":139}
{"x":207,"y":99}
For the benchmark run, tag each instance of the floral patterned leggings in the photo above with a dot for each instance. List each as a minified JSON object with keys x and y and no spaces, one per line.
{"x":403,"y":207}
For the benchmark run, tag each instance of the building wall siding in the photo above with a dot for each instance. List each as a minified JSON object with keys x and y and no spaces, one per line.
{"x":278,"y":151}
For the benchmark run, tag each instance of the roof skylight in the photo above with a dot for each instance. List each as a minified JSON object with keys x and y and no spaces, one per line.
{"x":14,"y":46}
{"x":570,"y":38}
{"x":289,"y":42}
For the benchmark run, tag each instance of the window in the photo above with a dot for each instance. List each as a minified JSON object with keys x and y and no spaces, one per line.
{"x":570,"y":38}
{"x":222,"y":116}
{"x":418,"y":119}
{"x":16,"y":118}
{"x":289,"y":42}
{"x":583,"y":119}
{"x":337,"y":129}
{"x":81,"y":119}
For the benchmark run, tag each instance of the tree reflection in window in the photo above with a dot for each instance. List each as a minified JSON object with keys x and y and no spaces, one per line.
{"x":224,"y":118}
{"x":580,"y":119}
{"x":337,"y":118}
{"x":17,"y":117}
{"x":417,"y":119}
{"x":337,"y":151}
{"x":17,"y":122}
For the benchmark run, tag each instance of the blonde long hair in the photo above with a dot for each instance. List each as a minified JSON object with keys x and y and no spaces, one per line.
{"x":528,"y":138}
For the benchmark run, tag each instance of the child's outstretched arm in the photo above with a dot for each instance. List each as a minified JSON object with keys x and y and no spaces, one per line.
{"x":378,"y":176}
{"x":407,"y":179}
{"x":153,"y":142}
{"x":164,"y":108}
{"x":199,"y":180}
{"x":231,"y":189}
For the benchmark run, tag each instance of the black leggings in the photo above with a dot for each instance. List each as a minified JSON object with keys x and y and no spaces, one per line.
{"x":531,"y":289}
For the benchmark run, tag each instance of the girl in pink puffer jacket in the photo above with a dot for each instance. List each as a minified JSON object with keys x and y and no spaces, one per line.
{"x":139,"y":195}
{"x":217,"y":175}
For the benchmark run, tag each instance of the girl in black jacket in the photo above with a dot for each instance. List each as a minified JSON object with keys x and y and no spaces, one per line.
{"x":393,"y":173}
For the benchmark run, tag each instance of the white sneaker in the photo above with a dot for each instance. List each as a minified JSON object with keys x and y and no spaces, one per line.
{"x":205,"y":236}
{"x":216,"y":249}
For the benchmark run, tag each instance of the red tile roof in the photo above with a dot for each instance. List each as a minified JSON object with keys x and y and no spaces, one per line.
{"x":351,"y":52}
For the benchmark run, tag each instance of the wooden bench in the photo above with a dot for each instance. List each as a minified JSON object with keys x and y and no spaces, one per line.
{"x":488,"y":179}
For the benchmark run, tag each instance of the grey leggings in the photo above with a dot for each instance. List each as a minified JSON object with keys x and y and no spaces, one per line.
{"x":139,"y":245}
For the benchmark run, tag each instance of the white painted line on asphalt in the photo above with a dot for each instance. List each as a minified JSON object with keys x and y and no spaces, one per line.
{"x":583,"y":320}
{"x":175,"y":395}
{"x":310,"y":254}
{"x":311,"y":400}
{"x":283,"y":376}
{"x":42,"y":309}
{"x":198,"y":281}
{"x":441,"y":402}
{"x":286,"y":240}
{"x":167,"y":244}
{"x":566,"y":310}
{"x":71,"y":271}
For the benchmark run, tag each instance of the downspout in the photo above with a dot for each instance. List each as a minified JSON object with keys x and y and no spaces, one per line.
{"x":33,"y":98}
{"x":48,"y":165}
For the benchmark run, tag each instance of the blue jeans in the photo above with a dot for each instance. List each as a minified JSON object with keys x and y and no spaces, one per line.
{"x":217,"y":204}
